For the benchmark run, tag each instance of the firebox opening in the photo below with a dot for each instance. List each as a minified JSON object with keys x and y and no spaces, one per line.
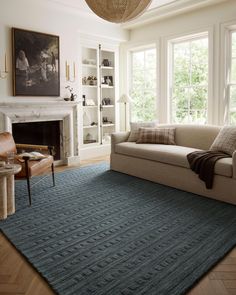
{"x":42,"y":133}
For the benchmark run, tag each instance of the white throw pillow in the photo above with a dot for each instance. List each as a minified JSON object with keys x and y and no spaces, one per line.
{"x":134,"y":129}
{"x":225,"y":141}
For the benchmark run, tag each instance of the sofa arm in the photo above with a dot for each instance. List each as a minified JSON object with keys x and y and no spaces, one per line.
{"x":234,"y":164}
{"x":118,"y":138}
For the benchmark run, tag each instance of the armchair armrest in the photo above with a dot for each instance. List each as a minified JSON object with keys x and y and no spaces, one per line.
{"x":35,"y":147}
{"x":234,"y":164}
{"x":118,"y":138}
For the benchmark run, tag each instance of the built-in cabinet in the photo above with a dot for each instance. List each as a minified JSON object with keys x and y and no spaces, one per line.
{"x":99,"y":94}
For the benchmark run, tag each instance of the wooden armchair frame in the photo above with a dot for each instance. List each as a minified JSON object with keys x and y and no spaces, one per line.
{"x":27,"y":159}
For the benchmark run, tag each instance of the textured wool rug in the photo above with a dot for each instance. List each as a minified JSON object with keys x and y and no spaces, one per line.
{"x":103,"y":232}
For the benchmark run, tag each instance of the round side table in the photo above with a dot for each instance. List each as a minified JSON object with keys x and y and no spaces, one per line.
{"x":7,"y":190}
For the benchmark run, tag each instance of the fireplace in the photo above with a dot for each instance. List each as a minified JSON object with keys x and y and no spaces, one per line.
{"x":42,"y":133}
{"x":54,"y":123}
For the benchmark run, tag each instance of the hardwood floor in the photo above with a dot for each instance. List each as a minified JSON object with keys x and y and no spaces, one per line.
{"x":18,"y":277}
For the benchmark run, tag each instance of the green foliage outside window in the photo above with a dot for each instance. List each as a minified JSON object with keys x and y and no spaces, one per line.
{"x":233,"y":82}
{"x":190,"y":82}
{"x":143,"y":91}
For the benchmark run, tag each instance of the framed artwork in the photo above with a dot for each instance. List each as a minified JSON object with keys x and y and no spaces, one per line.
{"x":36,"y":63}
{"x":108,"y":80}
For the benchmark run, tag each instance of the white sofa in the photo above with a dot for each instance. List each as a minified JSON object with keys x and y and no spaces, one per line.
{"x":168,"y":164}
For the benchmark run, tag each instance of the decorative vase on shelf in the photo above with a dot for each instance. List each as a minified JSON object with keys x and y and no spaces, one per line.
{"x":106,"y":138}
{"x":106,"y":63}
{"x":89,"y":137}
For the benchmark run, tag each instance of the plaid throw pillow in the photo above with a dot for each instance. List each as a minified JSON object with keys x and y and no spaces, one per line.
{"x":156,"y":135}
{"x":134,"y":126}
{"x":225,"y":141}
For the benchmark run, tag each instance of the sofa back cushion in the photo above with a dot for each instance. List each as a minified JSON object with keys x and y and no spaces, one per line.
{"x":134,"y":126}
{"x":194,"y":136}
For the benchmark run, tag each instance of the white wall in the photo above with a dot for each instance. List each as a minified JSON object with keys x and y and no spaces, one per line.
{"x":49,"y":17}
{"x":212,"y":19}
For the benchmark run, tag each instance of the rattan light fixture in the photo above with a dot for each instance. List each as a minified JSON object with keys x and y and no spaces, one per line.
{"x":118,"y":11}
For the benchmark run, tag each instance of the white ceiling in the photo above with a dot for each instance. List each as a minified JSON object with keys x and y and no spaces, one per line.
{"x":82,"y":6}
{"x":158,"y":9}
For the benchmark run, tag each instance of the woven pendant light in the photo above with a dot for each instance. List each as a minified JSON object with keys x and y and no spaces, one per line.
{"x":118,"y":11}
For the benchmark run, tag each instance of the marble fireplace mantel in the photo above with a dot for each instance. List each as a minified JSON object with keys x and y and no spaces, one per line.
{"x":36,"y":111}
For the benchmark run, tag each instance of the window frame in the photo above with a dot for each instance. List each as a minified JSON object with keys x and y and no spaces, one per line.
{"x":228,"y":70}
{"x":170,"y":85}
{"x":143,"y":48}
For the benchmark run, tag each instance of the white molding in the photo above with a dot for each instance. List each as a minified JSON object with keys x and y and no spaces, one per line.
{"x":169,"y":10}
{"x":92,"y":38}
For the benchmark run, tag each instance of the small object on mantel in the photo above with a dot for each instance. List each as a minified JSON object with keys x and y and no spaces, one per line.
{"x":70,"y":96}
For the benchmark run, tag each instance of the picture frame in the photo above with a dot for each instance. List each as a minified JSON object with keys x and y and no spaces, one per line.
{"x":36,"y":63}
{"x":107,"y":80}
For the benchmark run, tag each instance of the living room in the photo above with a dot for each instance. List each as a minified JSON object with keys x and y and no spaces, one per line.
{"x":105,"y":118}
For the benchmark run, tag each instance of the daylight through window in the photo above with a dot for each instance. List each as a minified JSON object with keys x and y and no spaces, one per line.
{"x":232,"y":80}
{"x":189,"y":77}
{"x":143,"y":85}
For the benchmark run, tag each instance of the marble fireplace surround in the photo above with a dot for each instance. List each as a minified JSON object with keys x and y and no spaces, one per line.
{"x":66,"y":112}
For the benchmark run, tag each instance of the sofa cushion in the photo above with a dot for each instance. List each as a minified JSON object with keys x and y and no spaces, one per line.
{"x":194,"y":136}
{"x":225,"y":141}
{"x":156,"y":135}
{"x":169,"y":154}
{"x":134,"y":129}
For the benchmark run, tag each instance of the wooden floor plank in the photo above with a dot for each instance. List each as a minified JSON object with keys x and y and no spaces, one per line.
{"x":17,"y":277}
{"x":230,"y":284}
{"x":218,"y":275}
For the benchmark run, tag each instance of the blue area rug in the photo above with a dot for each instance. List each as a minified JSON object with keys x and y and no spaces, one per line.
{"x":103,"y":232}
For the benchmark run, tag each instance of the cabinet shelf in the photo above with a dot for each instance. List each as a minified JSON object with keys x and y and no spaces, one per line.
{"x":90,"y":126}
{"x":89,"y":66}
{"x":90,"y":86}
{"x":90,"y":107}
{"x":107,"y":68}
{"x":90,"y":143}
{"x":108,"y":106}
{"x":106,"y":86}
{"x":108,"y":125}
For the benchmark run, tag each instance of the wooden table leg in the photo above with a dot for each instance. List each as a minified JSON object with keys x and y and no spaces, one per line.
{"x":10,"y":195}
{"x":3,"y":197}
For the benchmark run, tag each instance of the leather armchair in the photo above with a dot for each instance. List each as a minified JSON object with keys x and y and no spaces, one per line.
{"x":30,"y":168}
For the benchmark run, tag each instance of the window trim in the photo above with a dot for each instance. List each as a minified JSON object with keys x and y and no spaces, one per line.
{"x":229,"y":71}
{"x":170,"y":56}
{"x":142,"y":48}
{"x":226,"y":34}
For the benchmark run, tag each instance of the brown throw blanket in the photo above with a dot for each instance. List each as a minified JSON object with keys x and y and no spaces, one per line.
{"x":203,"y":164}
